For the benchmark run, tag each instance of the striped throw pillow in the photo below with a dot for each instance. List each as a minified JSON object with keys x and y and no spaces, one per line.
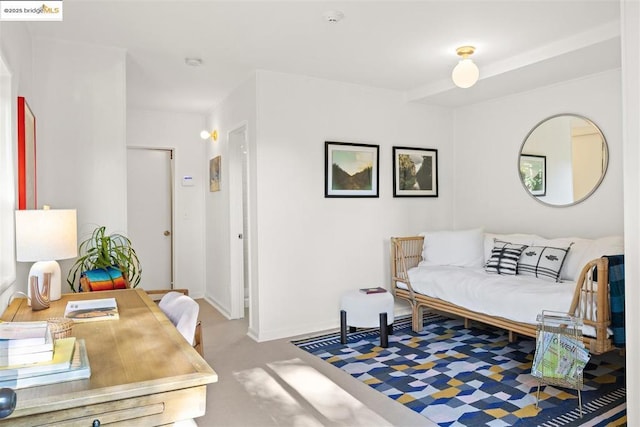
{"x":504,"y":258}
{"x":543,"y":262}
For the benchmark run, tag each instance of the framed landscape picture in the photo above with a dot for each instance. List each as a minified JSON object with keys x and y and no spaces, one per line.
{"x":350,"y":170}
{"x":533,"y":173}
{"x":214,"y":174}
{"x":415,"y":172}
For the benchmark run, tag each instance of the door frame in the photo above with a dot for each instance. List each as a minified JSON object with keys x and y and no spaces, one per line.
{"x":237,"y":290}
{"x":172,"y":191}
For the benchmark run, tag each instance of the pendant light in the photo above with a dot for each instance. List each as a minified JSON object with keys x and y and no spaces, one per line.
{"x":466,"y":73}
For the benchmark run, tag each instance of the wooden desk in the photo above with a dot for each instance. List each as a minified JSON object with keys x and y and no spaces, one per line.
{"x":143,"y":371}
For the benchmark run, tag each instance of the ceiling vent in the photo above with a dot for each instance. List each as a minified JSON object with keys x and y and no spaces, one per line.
{"x":333,"y":16}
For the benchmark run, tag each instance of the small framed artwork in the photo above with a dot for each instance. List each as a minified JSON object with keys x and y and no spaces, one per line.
{"x":214,"y":174}
{"x":26,"y":156}
{"x":533,"y":173}
{"x":350,"y":170}
{"x":415,"y":172}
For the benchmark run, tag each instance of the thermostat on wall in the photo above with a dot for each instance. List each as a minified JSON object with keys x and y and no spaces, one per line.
{"x":187,"y":181}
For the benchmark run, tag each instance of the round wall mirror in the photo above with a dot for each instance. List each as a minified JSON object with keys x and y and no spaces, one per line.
{"x":563,"y":160}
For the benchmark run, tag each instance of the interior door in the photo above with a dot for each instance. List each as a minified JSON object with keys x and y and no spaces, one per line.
{"x":239,"y":229}
{"x":149,"y":213}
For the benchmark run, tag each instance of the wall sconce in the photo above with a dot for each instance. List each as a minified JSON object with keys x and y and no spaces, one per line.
{"x":44,"y":236}
{"x":205,"y":134}
{"x":466,"y":73}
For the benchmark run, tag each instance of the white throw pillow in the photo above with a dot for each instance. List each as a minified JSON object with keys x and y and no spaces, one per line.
{"x":516,"y":239}
{"x":542,"y":262}
{"x":582,"y":251}
{"x":504,"y":258}
{"x":462,"y":248}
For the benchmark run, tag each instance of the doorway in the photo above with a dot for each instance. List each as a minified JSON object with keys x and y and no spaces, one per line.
{"x":150,"y":213}
{"x":239,"y":222}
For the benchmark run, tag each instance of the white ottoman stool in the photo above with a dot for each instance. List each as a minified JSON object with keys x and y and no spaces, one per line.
{"x":359,"y":309}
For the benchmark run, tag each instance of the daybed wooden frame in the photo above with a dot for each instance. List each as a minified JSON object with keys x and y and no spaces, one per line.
{"x":590,"y":299}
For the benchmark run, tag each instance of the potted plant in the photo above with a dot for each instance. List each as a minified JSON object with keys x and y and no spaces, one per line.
{"x":106,"y":252}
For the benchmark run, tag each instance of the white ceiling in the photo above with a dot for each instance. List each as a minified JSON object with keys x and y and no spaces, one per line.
{"x":401,"y":45}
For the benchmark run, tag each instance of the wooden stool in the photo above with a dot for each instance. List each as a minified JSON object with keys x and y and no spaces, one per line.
{"x":359,"y":309}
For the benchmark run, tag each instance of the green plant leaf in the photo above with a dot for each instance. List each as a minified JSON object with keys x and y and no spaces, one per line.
{"x":103,"y":250}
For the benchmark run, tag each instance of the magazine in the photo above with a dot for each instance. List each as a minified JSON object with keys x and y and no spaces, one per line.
{"x":92,"y":310}
{"x":559,"y":356}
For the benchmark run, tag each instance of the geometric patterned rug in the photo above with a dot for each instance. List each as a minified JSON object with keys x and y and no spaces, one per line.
{"x":457,"y":376}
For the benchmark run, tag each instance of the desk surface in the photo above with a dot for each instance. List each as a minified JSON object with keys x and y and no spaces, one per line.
{"x":140,"y":355}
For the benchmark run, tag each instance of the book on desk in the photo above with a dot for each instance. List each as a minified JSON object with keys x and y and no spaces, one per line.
{"x":25,"y":342}
{"x":79,"y":368}
{"x":92,"y":310}
{"x":63,"y":350}
{"x":24,"y":334}
{"x":29,"y":356}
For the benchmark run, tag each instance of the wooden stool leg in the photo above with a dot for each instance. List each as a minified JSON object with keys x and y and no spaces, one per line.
{"x":343,"y":327}
{"x":384,"y":331}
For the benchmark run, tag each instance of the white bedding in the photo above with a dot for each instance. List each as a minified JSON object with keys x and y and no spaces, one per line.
{"x":518,"y":298}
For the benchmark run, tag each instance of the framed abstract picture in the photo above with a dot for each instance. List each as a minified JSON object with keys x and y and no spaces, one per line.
{"x":26,"y":156}
{"x":533,"y":173}
{"x":350,"y":170}
{"x":415,"y":172}
{"x":214,"y":174}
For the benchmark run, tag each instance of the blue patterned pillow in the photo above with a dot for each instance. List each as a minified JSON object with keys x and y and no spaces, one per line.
{"x":543,"y":262}
{"x":504,"y":258}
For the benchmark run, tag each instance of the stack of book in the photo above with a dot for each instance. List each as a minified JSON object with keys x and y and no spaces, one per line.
{"x":29,"y":356}
{"x":25,"y":342}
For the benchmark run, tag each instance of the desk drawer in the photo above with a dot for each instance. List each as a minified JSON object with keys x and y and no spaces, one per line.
{"x":153,"y":409}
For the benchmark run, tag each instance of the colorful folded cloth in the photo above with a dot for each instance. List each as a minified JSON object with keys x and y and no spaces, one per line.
{"x":103,"y":279}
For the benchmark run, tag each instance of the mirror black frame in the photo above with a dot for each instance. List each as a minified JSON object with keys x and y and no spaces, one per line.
{"x":605,"y":164}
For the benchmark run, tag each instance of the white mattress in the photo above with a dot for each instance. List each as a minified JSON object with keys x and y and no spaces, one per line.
{"x":517,"y":298}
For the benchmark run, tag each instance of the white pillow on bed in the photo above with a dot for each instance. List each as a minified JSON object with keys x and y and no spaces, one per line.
{"x":582,"y":251}
{"x":543,"y":262}
{"x":504,"y":258}
{"x":461,"y":248}
{"x":516,"y":239}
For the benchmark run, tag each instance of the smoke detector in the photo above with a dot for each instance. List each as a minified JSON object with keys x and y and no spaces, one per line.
{"x":333,"y":16}
{"x":193,"y":62}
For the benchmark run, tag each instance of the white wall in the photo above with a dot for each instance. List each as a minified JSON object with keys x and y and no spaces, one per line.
{"x":237,"y":109}
{"x":15,"y":44}
{"x":488,"y":136}
{"x":312,"y":248}
{"x":180,"y":132}
{"x":80,"y":104}
{"x":631,"y":126}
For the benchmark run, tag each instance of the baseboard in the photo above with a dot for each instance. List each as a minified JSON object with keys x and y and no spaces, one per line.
{"x":300,"y":330}
{"x":218,"y":307}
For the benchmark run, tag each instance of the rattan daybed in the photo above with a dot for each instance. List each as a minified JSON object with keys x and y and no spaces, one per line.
{"x":590,"y":297}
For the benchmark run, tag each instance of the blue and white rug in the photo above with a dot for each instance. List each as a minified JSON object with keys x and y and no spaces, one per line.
{"x":470,"y":377}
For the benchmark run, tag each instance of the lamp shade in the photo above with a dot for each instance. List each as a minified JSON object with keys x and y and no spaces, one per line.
{"x":47,"y":234}
{"x":465,"y":74}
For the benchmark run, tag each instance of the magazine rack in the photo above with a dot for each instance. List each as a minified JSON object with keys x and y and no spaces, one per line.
{"x":560,"y":355}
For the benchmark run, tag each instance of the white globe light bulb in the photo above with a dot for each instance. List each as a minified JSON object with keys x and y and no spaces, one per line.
{"x":465,"y":74}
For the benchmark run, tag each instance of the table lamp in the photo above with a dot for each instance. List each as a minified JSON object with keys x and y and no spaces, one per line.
{"x":45,"y":236}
